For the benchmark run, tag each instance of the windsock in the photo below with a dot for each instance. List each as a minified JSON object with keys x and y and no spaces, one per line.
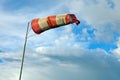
{"x":40,"y":25}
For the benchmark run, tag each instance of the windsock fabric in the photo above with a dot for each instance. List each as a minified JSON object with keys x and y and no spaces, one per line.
{"x":42,"y":24}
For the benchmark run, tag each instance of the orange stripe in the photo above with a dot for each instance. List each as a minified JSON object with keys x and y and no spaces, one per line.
{"x":35,"y":26}
{"x":67,"y":19}
{"x":51,"y":20}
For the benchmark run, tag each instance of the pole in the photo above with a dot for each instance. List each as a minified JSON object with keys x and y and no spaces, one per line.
{"x":23,"y":55}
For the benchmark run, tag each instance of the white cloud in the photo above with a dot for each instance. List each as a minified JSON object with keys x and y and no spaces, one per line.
{"x":98,"y":14}
{"x":91,"y":64}
{"x":8,"y":72}
{"x":14,"y":27}
{"x":117,"y":50}
{"x":95,"y":13}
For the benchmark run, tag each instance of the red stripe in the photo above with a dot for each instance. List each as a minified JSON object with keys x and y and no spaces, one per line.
{"x":35,"y":26}
{"x":67,"y":19}
{"x":51,"y":20}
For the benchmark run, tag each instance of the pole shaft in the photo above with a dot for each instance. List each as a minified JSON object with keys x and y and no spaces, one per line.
{"x":23,"y":55}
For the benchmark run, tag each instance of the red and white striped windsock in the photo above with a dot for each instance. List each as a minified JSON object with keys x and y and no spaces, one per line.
{"x":42,"y":24}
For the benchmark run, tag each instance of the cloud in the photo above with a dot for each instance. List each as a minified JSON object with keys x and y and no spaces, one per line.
{"x":100,"y":15}
{"x":14,"y":24}
{"x":117,"y":50}
{"x":12,"y":30}
{"x":90,"y":64}
{"x":95,"y":13}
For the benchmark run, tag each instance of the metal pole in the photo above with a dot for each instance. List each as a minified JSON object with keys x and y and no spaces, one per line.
{"x":23,"y":55}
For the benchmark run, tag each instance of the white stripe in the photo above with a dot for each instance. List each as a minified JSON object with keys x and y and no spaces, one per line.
{"x":43,"y":24}
{"x":60,"y":19}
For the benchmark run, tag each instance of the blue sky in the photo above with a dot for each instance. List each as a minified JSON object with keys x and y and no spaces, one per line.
{"x":89,"y":51}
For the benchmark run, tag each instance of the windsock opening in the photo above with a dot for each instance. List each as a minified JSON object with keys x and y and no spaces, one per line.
{"x":74,"y":19}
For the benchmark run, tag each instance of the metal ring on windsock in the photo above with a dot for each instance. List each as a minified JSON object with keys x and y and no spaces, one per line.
{"x":42,"y":24}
